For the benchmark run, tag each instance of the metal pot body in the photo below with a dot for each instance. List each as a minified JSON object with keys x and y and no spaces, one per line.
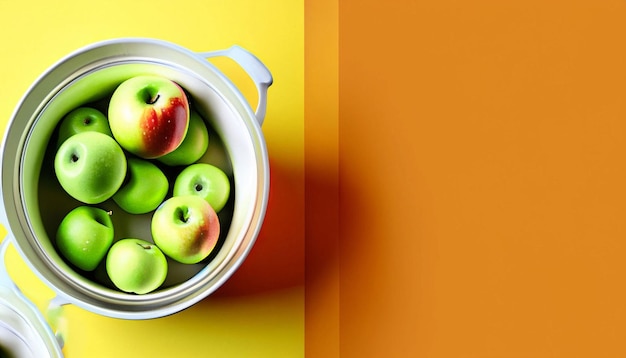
{"x":32,"y":204}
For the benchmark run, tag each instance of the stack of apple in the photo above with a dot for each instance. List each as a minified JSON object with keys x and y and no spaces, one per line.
{"x":150,"y":125}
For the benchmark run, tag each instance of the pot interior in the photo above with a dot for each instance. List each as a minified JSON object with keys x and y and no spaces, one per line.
{"x":232,"y":147}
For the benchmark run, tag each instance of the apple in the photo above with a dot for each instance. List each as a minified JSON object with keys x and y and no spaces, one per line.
{"x":194,"y":144}
{"x":185,"y":228}
{"x":149,"y":115}
{"x":90,"y":166}
{"x":144,"y":189}
{"x":206,"y":181}
{"x":84,"y":236}
{"x":136,"y":266}
{"x":83,"y":119}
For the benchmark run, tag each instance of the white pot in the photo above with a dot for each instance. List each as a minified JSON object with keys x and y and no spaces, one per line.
{"x":32,"y":203}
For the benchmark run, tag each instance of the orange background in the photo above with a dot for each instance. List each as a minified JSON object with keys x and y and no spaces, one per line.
{"x":467,"y":158}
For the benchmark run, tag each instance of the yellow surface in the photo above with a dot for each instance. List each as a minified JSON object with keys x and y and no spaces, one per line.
{"x":260,"y":311}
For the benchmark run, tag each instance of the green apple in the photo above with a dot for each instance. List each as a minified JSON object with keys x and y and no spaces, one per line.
{"x":80,"y":120}
{"x":206,"y":181}
{"x":90,"y":166}
{"x":149,"y":115}
{"x":144,"y":189}
{"x":193,"y":146}
{"x":84,"y":236}
{"x":136,"y":266}
{"x":185,"y":228}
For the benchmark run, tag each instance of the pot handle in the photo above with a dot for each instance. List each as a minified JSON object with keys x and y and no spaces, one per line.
{"x":256,"y":70}
{"x":28,"y":307}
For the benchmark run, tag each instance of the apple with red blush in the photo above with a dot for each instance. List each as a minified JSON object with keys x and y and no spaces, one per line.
{"x":149,"y":115}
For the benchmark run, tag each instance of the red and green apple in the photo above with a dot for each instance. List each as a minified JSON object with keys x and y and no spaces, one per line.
{"x":149,"y":115}
{"x":185,"y":228}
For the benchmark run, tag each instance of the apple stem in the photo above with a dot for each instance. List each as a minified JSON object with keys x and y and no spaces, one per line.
{"x":153,"y":100}
{"x":146,"y":247}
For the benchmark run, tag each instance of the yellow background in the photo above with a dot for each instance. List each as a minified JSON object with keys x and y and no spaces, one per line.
{"x":260,"y":311}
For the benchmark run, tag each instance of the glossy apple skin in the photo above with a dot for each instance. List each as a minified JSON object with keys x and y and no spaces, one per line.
{"x":83,"y":119}
{"x":185,"y":228}
{"x":136,"y":266}
{"x":90,"y":166}
{"x":206,"y":181}
{"x":149,"y":116}
{"x":84,"y":236}
{"x":193,"y":146}
{"x":144,"y":189}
